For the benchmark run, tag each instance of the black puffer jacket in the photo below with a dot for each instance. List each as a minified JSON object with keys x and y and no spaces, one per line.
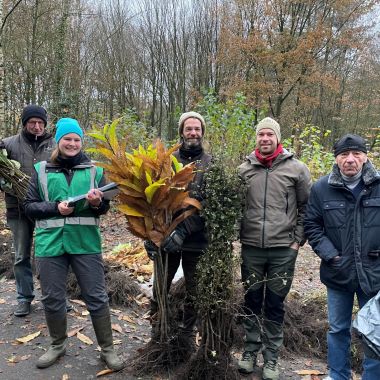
{"x":195,"y":224}
{"x":338,"y":224}
{"x":27,"y":152}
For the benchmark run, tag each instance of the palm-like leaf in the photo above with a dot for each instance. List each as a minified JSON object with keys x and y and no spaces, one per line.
{"x":152,"y":183}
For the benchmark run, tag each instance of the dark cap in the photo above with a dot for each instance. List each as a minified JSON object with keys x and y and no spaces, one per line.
{"x":349,"y":142}
{"x":33,"y":111}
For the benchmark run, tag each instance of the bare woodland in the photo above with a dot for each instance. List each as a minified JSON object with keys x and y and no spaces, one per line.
{"x":304,"y":62}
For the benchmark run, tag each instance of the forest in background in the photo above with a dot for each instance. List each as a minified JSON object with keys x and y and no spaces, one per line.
{"x":308,"y":63}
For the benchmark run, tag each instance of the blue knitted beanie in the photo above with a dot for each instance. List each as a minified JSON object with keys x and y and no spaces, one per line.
{"x":66,"y":126}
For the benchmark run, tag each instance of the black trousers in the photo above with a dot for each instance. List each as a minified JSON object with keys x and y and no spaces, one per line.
{"x":89,"y":271}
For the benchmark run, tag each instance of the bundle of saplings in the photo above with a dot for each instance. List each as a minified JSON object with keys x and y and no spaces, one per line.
{"x":12,"y":179}
{"x":215,"y":277}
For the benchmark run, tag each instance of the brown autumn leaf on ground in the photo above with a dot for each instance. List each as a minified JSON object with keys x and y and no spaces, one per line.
{"x":117,"y":328}
{"x":104,"y":372}
{"x":84,"y":338}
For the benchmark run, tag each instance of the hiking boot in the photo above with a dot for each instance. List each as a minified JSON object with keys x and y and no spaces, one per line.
{"x":247,"y":362}
{"x":270,"y":371}
{"x":23,"y":309}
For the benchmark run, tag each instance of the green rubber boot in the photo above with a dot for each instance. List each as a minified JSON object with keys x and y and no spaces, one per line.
{"x":103,"y":331}
{"x":58,"y":333}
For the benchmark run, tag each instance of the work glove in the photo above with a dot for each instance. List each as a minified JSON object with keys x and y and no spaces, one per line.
{"x":174,"y":242}
{"x":151,"y":249}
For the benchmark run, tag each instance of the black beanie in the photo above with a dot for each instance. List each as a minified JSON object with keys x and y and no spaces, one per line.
{"x":349,"y":142}
{"x":33,"y":111}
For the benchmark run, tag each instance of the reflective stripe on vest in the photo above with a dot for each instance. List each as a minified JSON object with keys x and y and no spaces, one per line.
{"x":80,"y":220}
{"x":44,"y":185}
{"x":43,"y":180}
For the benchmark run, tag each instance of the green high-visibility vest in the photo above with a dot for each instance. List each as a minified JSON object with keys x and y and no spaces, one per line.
{"x":77,"y":233}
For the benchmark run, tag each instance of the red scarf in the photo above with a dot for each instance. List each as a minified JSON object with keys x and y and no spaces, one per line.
{"x":267,"y":161}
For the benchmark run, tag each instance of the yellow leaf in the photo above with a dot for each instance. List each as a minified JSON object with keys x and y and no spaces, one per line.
{"x":65,"y":376}
{"x":97,"y":136}
{"x":2,"y":301}
{"x":112,"y":135}
{"x":152,"y":188}
{"x":28,"y":338}
{"x":309,"y":372}
{"x":84,"y":338}
{"x":104,"y":372}
{"x":148,"y":178}
{"x":125,"y":209}
{"x":177,"y":165}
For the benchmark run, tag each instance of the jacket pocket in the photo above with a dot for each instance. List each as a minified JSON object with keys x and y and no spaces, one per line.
{"x":371,"y":212}
{"x":334,"y":213}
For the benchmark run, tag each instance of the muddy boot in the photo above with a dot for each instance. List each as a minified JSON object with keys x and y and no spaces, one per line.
{"x":271,"y":371}
{"x":273,"y":339}
{"x":247,"y":363}
{"x":58,"y":333}
{"x":103,"y":332}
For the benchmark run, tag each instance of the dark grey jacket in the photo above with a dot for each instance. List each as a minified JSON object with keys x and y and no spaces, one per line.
{"x":338,"y":224}
{"x":27,"y":153}
{"x":274,"y":201}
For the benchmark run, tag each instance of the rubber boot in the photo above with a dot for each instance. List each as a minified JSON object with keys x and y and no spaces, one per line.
{"x":103,"y":332}
{"x":58,"y":333}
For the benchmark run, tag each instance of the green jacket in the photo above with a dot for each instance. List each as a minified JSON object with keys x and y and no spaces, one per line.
{"x":77,"y":233}
{"x":274,"y":201}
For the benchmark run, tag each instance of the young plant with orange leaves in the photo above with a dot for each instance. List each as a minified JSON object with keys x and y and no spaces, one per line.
{"x":154,"y":198}
{"x":152,"y":183}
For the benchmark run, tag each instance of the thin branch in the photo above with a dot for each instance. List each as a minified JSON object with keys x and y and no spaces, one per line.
{"x":8,"y":14}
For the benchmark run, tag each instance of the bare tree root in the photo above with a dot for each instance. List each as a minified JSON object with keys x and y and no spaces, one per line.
{"x":305,"y":326}
{"x":121,"y":287}
{"x":156,"y":357}
{"x":203,"y":366}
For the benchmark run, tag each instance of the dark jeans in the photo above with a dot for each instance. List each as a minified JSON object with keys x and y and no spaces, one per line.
{"x":22,"y":231}
{"x":88,"y":270}
{"x":189,"y":263}
{"x":340,"y":304}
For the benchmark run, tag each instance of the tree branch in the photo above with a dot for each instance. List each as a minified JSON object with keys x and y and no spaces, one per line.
{"x":8,"y":14}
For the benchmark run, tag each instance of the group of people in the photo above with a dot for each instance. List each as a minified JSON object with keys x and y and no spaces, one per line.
{"x":339,"y":215}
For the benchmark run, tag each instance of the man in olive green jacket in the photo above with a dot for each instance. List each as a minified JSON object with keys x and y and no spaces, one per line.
{"x":276,"y":189}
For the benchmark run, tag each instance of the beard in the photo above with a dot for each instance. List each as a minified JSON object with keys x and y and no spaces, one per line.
{"x":192,"y":143}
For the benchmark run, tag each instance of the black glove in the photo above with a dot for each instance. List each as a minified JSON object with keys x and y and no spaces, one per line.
{"x":151,"y":249}
{"x":173,"y":243}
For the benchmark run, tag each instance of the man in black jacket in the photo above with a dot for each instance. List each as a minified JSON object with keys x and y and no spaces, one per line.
{"x":31,"y":145}
{"x":188,"y":241}
{"x":342,"y":224}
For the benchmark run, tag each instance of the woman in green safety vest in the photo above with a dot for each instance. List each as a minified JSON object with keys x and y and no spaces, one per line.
{"x":68,"y":235}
